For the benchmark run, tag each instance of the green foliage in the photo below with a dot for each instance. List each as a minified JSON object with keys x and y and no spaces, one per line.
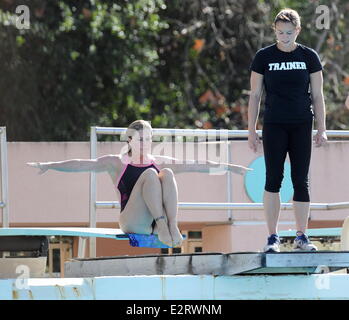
{"x":177,"y":63}
{"x":80,"y":64}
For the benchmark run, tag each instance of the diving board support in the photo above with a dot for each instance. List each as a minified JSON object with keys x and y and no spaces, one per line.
{"x":82,"y":247}
{"x":4,"y":202}
{"x":345,"y":235}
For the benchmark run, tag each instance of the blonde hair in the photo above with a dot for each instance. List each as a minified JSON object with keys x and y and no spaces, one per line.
{"x":288,"y":15}
{"x":136,"y":126}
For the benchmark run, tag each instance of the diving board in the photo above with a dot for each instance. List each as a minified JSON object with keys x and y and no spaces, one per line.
{"x":135,"y":240}
{"x":72,"y":232}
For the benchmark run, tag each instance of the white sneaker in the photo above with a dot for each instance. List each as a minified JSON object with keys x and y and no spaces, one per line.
{"x":302,"y":243}
{"x":273,"y":244}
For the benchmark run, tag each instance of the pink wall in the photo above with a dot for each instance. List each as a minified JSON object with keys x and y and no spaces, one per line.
{"x":57,"y":198}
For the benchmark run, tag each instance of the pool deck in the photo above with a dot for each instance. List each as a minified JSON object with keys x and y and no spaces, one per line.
{"x":205,"y":276}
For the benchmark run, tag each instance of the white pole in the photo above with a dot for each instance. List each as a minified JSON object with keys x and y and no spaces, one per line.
{"x":229,"y":182}
{"x":93,"y":189}
{"x":4,"y":179}
{"x":234,"y":206}
{"x":206,"y":133}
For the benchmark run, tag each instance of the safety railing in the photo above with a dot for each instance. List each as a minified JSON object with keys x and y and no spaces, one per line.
{"x":199,"y":133}
{"x":4,"y":200}
{"x":236,"y":206}
{"x":211,"y":133}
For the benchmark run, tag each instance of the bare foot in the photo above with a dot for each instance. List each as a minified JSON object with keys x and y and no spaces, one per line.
{"x":177,"y":238}
{"x":164,"y":234}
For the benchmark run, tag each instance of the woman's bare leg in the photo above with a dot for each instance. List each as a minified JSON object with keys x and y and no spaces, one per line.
{"x":301,"y":212}
{"x":170,"y":201}
{"x":144,"y":205}
{"x":272,"y":210}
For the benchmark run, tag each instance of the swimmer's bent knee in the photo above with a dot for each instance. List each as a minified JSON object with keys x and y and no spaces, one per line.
{"x":166,"y":172}
{"x":150,"y":173}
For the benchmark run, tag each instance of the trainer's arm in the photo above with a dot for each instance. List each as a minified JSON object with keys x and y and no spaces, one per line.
{"x":206,"y":166}
{"x":101,"y":164}
{"x":316,"y":83}
{"x":256,"y":82}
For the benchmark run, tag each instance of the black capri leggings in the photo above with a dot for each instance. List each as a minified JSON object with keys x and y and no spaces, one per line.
{"x":296,"y":139}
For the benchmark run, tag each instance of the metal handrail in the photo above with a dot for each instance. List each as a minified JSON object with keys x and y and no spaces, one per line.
{"x":222,"y":134}
{"x":228,"y":205}
{"x":206,"y":133}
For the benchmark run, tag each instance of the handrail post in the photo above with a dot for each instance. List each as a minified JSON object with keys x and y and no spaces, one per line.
{"x":229,"y":182}
{"x":4,"y":179}
{"x":93,"y":193}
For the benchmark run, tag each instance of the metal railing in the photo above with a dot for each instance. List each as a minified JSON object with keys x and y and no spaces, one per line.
{"x":94,"y":204}
{"x":4,"y":202}
{"x":209,"y":133}
{"x":204,"y":133}
{"x":235,"y":206}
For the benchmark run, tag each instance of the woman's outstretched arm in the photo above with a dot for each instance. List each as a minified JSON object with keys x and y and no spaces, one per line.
{"x":206,"y":166}
{"x":101,"y":164}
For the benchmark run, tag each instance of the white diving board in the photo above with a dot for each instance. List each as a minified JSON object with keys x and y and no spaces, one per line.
{"x":135,"y":240}
{"x":72,"y":232}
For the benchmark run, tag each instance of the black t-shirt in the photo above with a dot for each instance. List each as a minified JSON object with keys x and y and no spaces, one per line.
{"x":287,"y":82}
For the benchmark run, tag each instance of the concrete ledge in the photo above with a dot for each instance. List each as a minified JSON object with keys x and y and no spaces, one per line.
{"x":176,"y":264}
{"x":217,"y":264}
{"x":15,"y":267}
{"x":182,"y":287}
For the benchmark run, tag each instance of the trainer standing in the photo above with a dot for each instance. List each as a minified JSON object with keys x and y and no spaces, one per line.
{"x":291,"y":75}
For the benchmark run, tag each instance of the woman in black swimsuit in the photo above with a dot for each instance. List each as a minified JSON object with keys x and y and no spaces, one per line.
{"x":146,"y":183}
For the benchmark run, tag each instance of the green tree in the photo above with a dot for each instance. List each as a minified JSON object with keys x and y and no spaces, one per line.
{"x":177,"y":63}
{"x":81,"y":63}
